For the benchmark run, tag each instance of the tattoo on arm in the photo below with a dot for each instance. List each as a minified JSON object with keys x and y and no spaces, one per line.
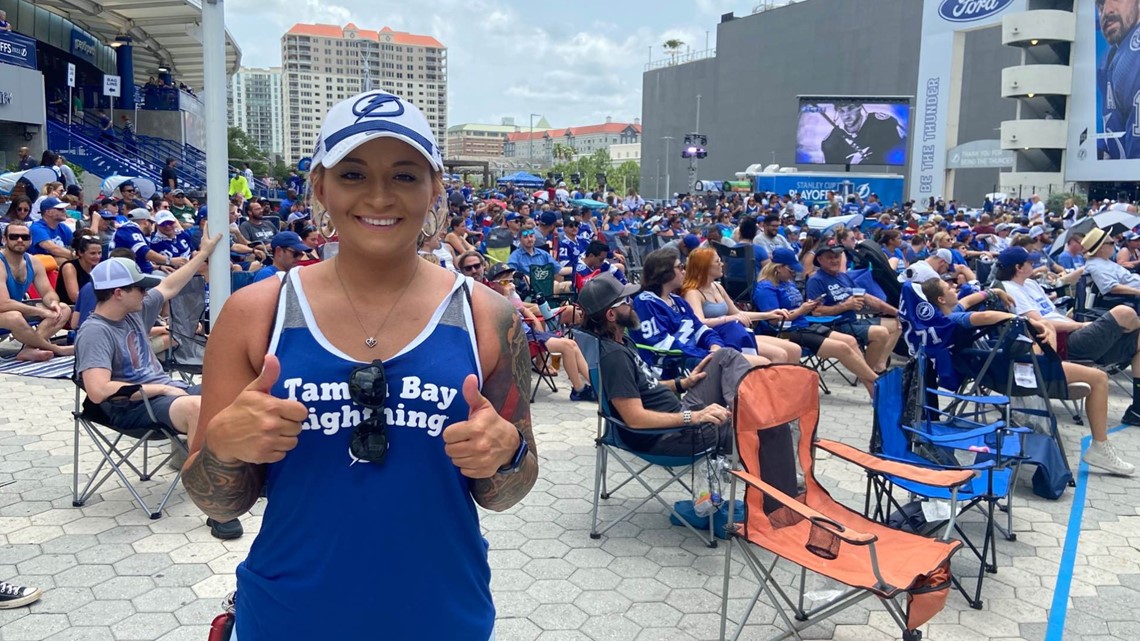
{"x":224,"y":491}
{"x":506,"y":387}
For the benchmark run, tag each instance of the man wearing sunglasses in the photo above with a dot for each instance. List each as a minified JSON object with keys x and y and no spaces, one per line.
{"x":528,"y":256}
{"x":702,"y":399}
{"x":288,"y":249}
{"x":472,"y":265}
{"x":19,"y":271}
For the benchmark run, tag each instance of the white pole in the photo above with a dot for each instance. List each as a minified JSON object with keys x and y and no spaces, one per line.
{"x":214,"y":97}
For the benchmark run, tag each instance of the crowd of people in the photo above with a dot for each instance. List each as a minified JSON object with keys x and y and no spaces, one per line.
{"x":420,"y":306}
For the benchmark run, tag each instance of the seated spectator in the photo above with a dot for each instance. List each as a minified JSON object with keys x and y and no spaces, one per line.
{"x":1073,"y":256}
{"x":76,"y":273}
{"x":1112,"y":339}
{"x":841,"y":297}
{"x":713,"y":307}
{"x":528,"y":255}
{"x":776,"y":291}
{"x":182,"y":208}
{"x":434,"y":246}
{"x":593,"y":263}
{"x":51,"y":238}
{"x":20,"y":271}
{"x":1101,"y":454}
{"x":667,"y":321}
{"x":572,"y":359}
{"x":113,"y":350}
{"x":1129,"y":254}
{"x":134,"y":235}
{"x":287,"y":250}
{"x":258,"y":230}
{"x":472,"y":265}
{"x":1109,"y":276}
{"x":171,"y":241}
{"x":639,"y":399}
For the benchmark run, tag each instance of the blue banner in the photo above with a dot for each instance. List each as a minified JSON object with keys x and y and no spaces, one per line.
{"x":813,"y":188}
{"x":17,"y":50}
{"x":83,"y":45}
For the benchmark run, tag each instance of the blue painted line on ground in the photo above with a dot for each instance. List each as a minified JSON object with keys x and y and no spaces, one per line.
{"x":1055,"y":631}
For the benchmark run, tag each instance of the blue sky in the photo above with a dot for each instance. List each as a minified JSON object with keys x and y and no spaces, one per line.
{"x":574,"y":62}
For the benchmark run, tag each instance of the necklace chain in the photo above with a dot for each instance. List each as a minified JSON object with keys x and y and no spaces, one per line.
{"x":370,"y":339}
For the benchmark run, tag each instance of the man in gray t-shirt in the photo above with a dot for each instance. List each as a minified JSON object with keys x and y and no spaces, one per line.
{"x":1108,"y":276}
{"x":112,"y":350}
{"x":112,"y":347}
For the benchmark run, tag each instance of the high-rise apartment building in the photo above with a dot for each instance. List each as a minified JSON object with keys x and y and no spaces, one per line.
{"x":254,"y":106}
{"x":324,"y":64}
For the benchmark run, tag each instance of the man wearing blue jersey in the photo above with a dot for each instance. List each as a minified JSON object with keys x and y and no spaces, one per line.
{"x":133,"y":235}
{"x":1118,"y":79}
{"x":171,"y":241}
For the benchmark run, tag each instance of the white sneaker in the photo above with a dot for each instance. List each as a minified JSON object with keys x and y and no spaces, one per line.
{"x":15,"y":596}
{"x":1104,"y":457}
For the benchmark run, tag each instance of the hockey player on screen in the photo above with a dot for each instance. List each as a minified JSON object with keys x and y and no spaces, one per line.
{"x":862,"y":136}
{"x":1118,"y":79}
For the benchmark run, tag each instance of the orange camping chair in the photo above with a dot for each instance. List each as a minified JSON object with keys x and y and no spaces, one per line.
{"x":788,"y":513}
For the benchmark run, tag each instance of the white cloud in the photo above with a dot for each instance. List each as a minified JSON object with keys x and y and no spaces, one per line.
{"x":504,"y":57}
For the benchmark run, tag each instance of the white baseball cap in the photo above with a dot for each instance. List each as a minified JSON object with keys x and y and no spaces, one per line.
{"x":369,"y":115}
{"x":165,"y":216}
{"x":120,"y":272}
{"x":140,"y":213}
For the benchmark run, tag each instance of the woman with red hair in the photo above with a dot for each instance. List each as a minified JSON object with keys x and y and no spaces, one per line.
{"x":716,"y":310}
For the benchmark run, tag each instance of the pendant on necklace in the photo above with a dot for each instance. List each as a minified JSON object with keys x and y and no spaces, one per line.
{"x":370,"y":342}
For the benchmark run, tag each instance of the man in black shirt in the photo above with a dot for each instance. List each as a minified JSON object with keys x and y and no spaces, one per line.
{"x":861,"y":136}
{"x":170,"y":175}
{"x":644,"y":403}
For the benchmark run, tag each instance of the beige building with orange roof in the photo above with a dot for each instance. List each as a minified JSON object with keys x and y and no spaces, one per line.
{"x":323,"y":64}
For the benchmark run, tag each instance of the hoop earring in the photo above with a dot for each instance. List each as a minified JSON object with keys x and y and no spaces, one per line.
{"x":323,"y":225}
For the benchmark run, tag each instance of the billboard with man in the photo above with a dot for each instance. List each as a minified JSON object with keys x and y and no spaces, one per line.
{"x":852,"y":131}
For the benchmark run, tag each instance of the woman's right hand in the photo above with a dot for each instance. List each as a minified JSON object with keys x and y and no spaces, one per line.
{"x":257,"y":427}
{"x":809,"y":305}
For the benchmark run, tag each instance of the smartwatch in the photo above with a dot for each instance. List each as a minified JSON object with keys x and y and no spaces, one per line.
{"x":519,"y":457}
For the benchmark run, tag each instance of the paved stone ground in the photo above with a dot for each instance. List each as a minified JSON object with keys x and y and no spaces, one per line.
{"x":111,"y":573}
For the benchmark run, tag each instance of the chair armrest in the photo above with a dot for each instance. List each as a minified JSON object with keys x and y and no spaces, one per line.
{"x":994,"y":399}
{"x":655,"y":350}
{"x":935,"y":478}
{"x":849,"y":535}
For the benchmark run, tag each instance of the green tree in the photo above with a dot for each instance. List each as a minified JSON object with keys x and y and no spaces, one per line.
{"x":563,"y":152}
{"x":243,"y":149}
{"x":673,"y":47}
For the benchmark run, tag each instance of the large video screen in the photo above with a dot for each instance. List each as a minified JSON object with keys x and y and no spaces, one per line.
{"x":849,"y":131}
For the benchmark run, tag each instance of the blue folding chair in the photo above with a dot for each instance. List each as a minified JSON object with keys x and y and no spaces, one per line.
{"x":609,"y":445}
{"x":974,"y":434}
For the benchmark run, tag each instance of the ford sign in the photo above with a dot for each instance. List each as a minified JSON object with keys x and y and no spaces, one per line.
{"x":970,"y":10}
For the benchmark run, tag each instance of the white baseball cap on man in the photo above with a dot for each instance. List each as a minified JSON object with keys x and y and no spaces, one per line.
{"x":120,"y":272}
{"x":374,"y":114}
{"x":165,"y":216}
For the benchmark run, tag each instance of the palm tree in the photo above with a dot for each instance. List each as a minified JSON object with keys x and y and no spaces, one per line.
{"x":673,"y":47}
{"x":562,"y":151}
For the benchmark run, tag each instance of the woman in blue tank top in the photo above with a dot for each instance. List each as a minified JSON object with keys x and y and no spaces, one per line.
{"x":711,"y":304}
{"x":391,"y":400}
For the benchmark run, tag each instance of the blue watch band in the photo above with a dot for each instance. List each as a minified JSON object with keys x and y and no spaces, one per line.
{"x":520,"y":455}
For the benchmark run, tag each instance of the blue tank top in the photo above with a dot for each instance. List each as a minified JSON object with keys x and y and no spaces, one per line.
{"x":713,"y":309}
{"x":18,"y":291}
{"x":350,"y":550}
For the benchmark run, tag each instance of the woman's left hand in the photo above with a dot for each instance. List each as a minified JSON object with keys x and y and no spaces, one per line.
{"x":484,"y":442}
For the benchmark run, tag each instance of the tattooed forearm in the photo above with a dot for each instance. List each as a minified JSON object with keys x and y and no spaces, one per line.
{"x":224,"y":491}
{"x":506,"y":388}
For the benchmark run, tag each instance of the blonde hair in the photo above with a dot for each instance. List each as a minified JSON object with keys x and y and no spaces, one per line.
{"x":768,"y":272}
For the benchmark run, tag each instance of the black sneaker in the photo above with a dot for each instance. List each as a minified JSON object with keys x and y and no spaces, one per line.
{"x":17,"y":596}
{"x":1131,"y":416}
{"x":225,"y":531}
{"x":587,"y":394}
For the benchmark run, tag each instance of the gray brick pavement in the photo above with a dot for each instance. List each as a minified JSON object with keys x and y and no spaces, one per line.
{"x":111,"y":573}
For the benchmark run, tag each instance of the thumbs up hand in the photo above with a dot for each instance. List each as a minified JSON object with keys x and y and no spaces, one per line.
{"x":257,"y":427}
{"x":484,"y":442}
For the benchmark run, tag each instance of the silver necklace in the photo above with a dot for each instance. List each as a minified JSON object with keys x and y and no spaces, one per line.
{"x":370,"y":340}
